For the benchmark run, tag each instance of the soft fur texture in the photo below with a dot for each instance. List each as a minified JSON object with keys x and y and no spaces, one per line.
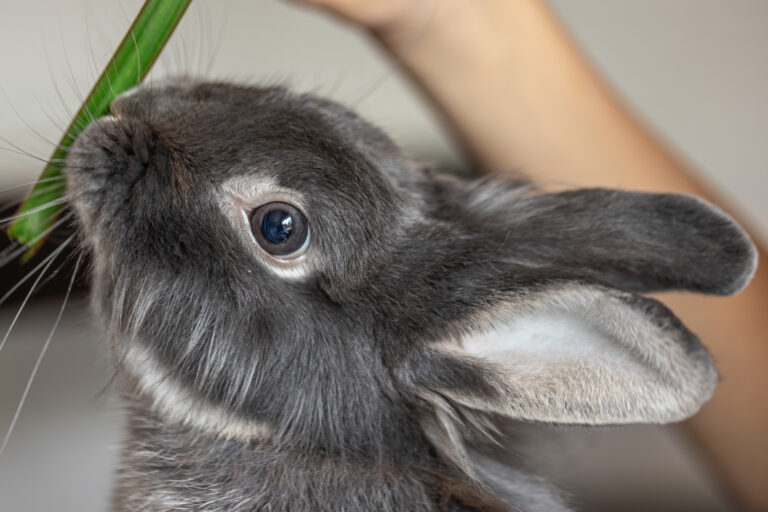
{"x":355,"y":377}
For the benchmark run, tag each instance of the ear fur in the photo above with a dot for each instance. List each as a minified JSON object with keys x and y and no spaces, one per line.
{"x":635,"y":241}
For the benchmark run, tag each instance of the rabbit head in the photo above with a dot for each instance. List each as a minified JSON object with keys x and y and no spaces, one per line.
{"x":270,"y":266}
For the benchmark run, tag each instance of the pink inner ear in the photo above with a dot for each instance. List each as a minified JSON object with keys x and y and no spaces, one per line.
{"x":582,"y":354}
{"x":549,"y":337}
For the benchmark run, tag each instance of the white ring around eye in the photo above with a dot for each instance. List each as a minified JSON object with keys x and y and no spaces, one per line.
{"x":240,"y":197}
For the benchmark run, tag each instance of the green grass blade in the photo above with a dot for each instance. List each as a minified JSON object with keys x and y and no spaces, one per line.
{"x":129,"y":65}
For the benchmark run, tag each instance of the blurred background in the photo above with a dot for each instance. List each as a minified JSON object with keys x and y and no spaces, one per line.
{"x":694,"y":70}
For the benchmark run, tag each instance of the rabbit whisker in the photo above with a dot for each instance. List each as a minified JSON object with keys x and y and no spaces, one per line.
{"x":45,"y":206}
{"x":9,"y":254}
{"x":56,"y":271}
{"x":29,"y":183}
{"x":46,"y":264}
{"x":42,"y":354}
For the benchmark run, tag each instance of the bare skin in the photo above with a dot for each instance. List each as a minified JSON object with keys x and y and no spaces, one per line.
{"x":519,"y":94}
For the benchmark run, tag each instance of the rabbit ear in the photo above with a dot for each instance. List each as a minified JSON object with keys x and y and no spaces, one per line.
{"x":533,"y":316}
{"x":576,"y":354}
{"x":632,"y":240}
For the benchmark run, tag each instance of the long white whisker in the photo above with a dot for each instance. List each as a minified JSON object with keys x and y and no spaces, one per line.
{"x":48,"y":187}
{"x":56,"y":271}
{"x":18,"y":250}
{"x":45,"y":206}
{"x":41,"y":356}
{"x":13,"y":246}
{"x":29,"y":183}
{"x":24,"y":248}
{"x":48,"y":261}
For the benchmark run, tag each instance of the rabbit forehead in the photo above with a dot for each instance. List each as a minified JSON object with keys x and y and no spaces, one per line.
{"x":231,"y":124}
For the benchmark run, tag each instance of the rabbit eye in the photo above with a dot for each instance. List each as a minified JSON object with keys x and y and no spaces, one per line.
{"x":280,"y":229}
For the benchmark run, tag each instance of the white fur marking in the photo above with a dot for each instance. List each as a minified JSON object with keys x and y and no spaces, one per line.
{"x":175,"y":403}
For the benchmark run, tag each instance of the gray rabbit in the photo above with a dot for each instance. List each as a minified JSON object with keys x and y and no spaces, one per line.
{"x":304,"y":319}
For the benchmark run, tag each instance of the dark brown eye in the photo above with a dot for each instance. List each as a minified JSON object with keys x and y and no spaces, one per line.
{"x":280,"y":229}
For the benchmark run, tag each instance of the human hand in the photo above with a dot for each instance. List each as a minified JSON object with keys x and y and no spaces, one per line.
{"x":386,"y":18}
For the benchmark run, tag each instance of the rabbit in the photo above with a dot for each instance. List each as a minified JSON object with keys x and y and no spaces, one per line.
{"x":303,"y":318}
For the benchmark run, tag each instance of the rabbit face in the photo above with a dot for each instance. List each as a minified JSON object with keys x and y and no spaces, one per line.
{"x":269,"y":264}
{"x":172,"y":194}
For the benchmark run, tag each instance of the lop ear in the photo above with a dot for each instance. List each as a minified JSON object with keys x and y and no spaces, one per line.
{"x":636,"y":241}
{"x":576,"y":354}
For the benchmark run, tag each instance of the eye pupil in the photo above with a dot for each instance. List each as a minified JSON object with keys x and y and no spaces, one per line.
{"x":277,"y":226}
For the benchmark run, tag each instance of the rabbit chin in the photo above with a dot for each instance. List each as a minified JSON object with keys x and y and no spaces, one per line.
{"x":172,"y":402}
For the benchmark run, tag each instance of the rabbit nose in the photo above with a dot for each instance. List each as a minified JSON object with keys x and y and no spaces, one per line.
{"x":121,"y":105}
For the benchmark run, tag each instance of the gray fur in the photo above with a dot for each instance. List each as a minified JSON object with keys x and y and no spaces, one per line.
{"x":343,"y":381}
